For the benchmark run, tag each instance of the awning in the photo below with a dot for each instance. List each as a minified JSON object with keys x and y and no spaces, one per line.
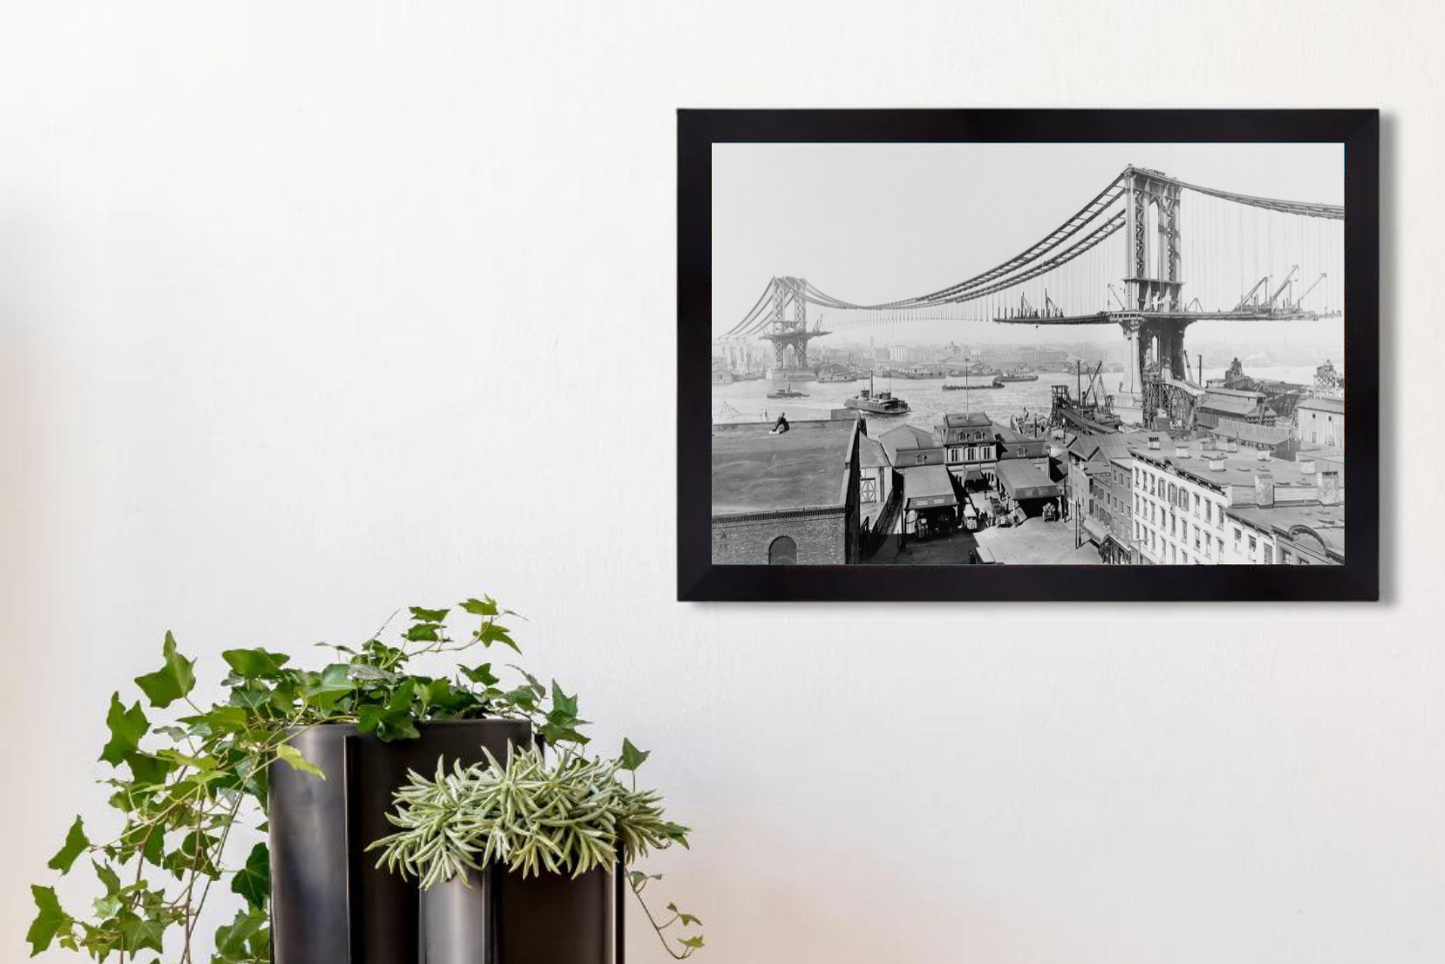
{"x":1097,"y":532}
{"x":927,"y":487}
{"x":1022,"y":480}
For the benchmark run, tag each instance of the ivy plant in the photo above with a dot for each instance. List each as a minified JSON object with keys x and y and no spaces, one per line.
{"x":183,"y":777}
{"x":568,"y":815}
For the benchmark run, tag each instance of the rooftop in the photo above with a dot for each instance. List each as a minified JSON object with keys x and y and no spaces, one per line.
{"x":1325,"y":522}
{"x":805,"y":467}
{"x":1239,"y":468}
{"x":907,"y":438}
{"x":1245,"y":432}
{"x":964,"y":419}
{"x":1333,"y":405}
{"x":871,"y":453}
{"x":1021,"y":479}
{"x":1235,"y":403}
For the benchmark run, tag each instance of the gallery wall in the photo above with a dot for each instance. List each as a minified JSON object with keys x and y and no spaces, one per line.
{"x":313,"y":311}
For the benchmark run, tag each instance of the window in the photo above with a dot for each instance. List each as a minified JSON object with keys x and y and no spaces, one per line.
{"x":1284,"y":556}
{"x":1196,"y":504}
{"x":868,"y":490}
{"x":783,"y":552}
{"x":1252,"y":545}
{"x":920,"y":460}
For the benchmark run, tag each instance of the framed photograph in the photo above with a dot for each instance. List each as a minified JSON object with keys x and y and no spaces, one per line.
{"x":1028,"y":355}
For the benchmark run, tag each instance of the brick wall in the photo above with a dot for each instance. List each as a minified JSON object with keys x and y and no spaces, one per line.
{"x":824,"y":539}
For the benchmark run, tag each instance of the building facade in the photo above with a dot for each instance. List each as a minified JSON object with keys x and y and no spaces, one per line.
{"x":969,"y":446}
{"x":1321,"y":421}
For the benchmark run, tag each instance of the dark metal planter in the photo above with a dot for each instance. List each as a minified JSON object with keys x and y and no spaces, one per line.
{"x":499,"y":917}
{"x":329,"y":903}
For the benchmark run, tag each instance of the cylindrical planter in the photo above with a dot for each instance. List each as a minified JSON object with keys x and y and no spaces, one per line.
{"x":500,"y":917}
{"x":330,"y":904}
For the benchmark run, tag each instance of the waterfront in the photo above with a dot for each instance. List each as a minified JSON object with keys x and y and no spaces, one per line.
{"x":748,"y":401}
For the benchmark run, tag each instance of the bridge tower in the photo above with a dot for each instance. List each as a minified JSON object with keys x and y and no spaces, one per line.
{"x":1153,"y":290}
{"x":791,"y":333}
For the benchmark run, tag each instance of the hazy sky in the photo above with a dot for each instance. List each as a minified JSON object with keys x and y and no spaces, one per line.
{"x":877,"y":222}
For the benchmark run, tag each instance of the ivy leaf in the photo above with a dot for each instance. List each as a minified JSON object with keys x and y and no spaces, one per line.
{"x":562,"y":703}
{"x":243,"y":940}
{"x":172,"y":681}
{"x":293,"y":757}
{"x":421,"y":615}
{"x":632,"y":757}
{"x":481,"y":607}
{"x":76,"y":843}
{"x":482,"y":675}
{"x":694,"y":942}
{"x":493,"y":633}
{"x":253,"y":881}
{"x":423,"y":633}
{"x":48,"y":921}
{"x":255,"y":663}
{"x":127,"y":726}
{"x":687,"y":920}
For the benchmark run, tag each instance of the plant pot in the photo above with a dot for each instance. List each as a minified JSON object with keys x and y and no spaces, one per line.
{"x":500,"y":917}
{"x":330,"y":904}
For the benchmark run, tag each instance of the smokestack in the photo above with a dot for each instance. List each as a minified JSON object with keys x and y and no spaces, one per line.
{"x":1329,"y":485}
{"x":1263,"y":487}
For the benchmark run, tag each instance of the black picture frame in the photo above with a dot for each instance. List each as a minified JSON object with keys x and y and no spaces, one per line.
{"x":699,"y":579}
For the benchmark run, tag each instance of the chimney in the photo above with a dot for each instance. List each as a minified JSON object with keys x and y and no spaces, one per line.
{"x":1209,"y":444}
{"x":1230,"y":445}
{"x":1261,"y":455}
{"x":1263,"y":487}
{"x":1216,"y":461}
{"x":1307,"y":466}
{"x":1329,"y":484}
{"x":1154,"y":442}
{"x":1181,"y":450}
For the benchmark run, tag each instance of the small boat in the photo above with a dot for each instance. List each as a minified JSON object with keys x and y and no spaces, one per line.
{"x":747,"y":376}
{"x":876,"y":403}
{"x":1016,"y":376}
{"x":787,"y":393}
{"x":996,"y":383}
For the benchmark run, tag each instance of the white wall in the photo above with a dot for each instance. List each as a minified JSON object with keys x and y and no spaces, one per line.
{"x":308,"y":312}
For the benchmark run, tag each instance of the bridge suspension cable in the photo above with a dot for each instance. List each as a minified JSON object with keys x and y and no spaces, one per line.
{"x":1233,"y":241}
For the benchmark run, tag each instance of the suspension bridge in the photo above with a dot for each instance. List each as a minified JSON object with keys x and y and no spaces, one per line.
{"x":1246,"y":258}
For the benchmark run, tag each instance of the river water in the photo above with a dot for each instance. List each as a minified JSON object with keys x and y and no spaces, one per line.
{"x":748,"y":401}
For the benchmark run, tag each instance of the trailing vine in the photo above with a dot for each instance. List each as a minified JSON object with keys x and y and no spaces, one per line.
{"x":184,"y":781}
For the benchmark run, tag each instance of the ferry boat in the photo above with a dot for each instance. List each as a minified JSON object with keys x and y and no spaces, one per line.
{"x":876,"y":403}
{"x":787,"y":393}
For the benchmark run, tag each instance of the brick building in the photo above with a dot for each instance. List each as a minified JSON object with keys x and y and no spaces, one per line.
{"x":786,"y":499}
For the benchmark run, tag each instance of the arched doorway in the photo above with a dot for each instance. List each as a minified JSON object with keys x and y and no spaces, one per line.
{"x":783,"y":552}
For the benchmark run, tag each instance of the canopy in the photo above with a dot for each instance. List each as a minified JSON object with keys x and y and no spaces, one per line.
{"x":1022,"y":480}
{"x":927,"y":487}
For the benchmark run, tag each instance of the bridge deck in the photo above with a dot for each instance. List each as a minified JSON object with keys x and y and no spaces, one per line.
{"x":1120,"y":317}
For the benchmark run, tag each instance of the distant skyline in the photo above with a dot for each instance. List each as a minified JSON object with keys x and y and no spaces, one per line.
{"x":877,"y":222}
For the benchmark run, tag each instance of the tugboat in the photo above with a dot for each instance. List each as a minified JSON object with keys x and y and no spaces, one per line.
{"x":787,"y":393}
{"x":876,"y":403}
{"x":1017,"y":376}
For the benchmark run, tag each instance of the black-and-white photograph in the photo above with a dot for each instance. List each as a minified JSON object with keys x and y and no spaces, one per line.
{"x":1064,"y":354}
